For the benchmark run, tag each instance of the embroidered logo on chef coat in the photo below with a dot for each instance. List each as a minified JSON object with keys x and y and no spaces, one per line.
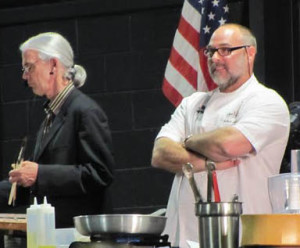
{"x":229,"y":119}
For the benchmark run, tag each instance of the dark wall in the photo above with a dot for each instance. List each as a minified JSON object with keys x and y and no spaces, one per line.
{"x":279,"y":48}
{"x":124,"y":45}
{"x":124,"y":49}
{"x":296,"y":49}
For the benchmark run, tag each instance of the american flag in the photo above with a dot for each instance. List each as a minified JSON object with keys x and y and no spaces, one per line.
{"x":186,"y":70}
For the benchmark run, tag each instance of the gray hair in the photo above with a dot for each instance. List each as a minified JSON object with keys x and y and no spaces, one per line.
{"x":53,"y":45}
{"x":247,"y":36}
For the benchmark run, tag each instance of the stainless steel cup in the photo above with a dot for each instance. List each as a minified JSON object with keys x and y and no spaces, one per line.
{"x":219,"y":224}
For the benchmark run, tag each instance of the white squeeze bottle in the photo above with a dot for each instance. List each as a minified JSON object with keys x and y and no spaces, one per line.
{"x":46,"y":233}
{"x":32,"y":224}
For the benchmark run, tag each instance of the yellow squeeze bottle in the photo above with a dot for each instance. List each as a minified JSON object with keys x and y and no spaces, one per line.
{"x":32,"y":224}
{"x":46,"y":234}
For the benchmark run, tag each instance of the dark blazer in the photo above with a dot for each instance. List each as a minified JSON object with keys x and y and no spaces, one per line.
{"x":75,"y":161}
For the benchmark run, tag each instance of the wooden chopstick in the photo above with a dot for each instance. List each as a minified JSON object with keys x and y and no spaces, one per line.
{"x":13,"y":190}
{"x":17,"y":165}
{"x":12,"y":195}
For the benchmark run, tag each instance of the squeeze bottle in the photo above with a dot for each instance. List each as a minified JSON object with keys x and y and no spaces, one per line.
{"x":32,"y":224}
{"x":46,"y":233}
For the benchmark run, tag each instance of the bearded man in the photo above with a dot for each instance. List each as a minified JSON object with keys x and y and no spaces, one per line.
{"x":242,"y":126}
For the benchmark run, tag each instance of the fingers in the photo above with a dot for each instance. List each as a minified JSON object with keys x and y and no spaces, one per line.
{"x":14,"y":175}
{"x":236,"y":162}
{"x":25,"y":175}
{"x":17,"y":180}
{"x":12,"y":179}
{"x":227,"y":164}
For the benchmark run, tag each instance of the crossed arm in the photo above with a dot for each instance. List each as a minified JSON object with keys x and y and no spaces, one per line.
{"x":223,"y":146}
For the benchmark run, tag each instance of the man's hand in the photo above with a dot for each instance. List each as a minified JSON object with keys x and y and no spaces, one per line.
{"x":26,"y":175}
{"x":222,"y":144}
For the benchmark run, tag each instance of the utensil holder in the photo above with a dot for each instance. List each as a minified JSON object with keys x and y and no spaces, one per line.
{"x":219,"y":224}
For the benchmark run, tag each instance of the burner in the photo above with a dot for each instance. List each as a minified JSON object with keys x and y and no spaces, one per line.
{"x":129,"y":238}
{"x":124,"y":241}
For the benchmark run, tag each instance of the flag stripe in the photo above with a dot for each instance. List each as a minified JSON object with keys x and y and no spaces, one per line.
{"x":173,"y":95}
{"x":204,"y":68}
{"x":187,"y":70}
{"x":178,"y":81}
{"x":191,"y":15}
{"x":184,"y":68}
{"x":189,"y":33}
{"x":200,"y":79}
{"x":187,"y":51}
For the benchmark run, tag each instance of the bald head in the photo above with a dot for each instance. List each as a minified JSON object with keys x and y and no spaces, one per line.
{"x":242,"y":33}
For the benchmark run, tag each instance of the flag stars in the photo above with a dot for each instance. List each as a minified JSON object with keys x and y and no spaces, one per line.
{"x":215,"y":3}
{"x":206,"y":29}
{"x":226,"y":8}
{"x":201,"y":1}
{"x":211,"y":16}
{"x":202,"y":11}
{"x":222,"y":21}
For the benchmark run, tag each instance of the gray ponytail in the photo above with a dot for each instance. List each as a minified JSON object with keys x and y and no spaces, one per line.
{"x":77,"y":74}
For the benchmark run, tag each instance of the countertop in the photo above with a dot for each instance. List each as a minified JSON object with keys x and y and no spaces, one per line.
{"x":14,"y":222}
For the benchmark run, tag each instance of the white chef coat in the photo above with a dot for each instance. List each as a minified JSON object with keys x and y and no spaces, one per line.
{"x":263,"y":117}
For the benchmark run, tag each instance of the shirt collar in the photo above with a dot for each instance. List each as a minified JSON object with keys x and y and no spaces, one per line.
{"x":54,"y":106}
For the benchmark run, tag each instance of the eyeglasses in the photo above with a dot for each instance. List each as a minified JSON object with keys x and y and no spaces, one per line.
{"x":28,"y":67}
{"x":222,"y":51}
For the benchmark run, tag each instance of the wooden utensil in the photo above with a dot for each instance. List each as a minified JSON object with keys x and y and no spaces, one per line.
{"x":17,"y":165}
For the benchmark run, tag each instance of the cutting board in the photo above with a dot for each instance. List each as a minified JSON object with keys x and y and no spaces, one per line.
{"x":271,"y":229}
{"x":15,"y":222}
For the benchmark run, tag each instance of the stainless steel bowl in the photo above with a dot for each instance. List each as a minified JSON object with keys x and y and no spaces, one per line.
{"x":116,"y":224}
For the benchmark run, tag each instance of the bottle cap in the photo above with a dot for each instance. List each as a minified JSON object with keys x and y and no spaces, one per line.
{"x":46,"y":206}
{"x":34,"y":205}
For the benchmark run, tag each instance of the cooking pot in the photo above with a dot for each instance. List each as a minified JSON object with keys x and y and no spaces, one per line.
{"x":119,"y":224}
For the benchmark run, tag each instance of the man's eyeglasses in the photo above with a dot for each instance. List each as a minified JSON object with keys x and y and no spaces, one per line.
{"x":28,"y":67}
{"x":222,"y":51}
